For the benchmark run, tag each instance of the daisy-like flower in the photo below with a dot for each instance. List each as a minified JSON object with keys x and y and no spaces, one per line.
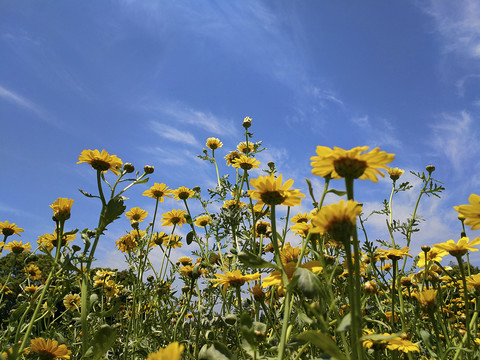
{"x":49,"y":241}
{"x":352,"y":163}
{"x":158,"y":238}
{"x":337,"y":219}
{"x":203,"y":221}
{"x":72,"y":301}
{"x":183,"y":193}
{"x":473,"y":281}
{"x":231,"y":157}
{"x":395,"y":173}
{"x":185,"y":260}
{"x":172,"y":241}
{"x":8,"y":229}
{"x":242,"y":147}
{"x":101,"y":161}
{"x":33,"y":272}
{"x":233,"y":204}
{"x":126,"y":243}
{"x":289,"y":253}
{"x":235,"y":278}
{"x":172,"y":352}
{"x":301,"y":217}
{"x":270,"y":190}
{"x":403,"y":345}
{"x":302,"y":229}
{"x":213,"y":143}
{"x":460,"y":248}
{"x":275,"y":277}
{"x":49,"y":349}
{"x":257,"y":292}
{"x":471,"y":212}
{"x":427,"y":298}
{"x":158,"y":191}
{"x":433,"y":255}
{"x":136,"y":214}
{"x":246,"y":163}
{"x":61,"y":209}
{"x":31,"y":289}
{"x":111,"y":288}
{"x":174,"y":217}
{"x":186,"y":270}
{"x":397,"y":254}
{"x":262,"y":228}
{"x":17,"y":247}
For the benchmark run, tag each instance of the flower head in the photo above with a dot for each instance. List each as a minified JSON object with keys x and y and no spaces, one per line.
{"x":174,"y":217}
{"x":8,"y":229}
{"x":136,"y":214}
{"x":301,"y":217}
{"x":183,"y":193}
{"x":17,"y":247}
{"x":244,"y":149}
{"x":336,"y":219}
{"x":61,"y":209}
{"x":49,"y":349}
{"x":471,"y":212}
{"x":460,"y":248}
{"x":231,"y":157}
{"x":172,"y":352}
{"x":33,"y":272}
{"x":433,"y":255}
{"x":352,"y":163}
{"x":270,"y":190}
{"x":126,"y":243}
{"x":234,"y":278}
{"x":426,"y":298}
{"x":214,"y":143}
{"x":101,"y":161}
{"x":49,"y":241}
{"x":395,"y":173}
{"x":275,"y":277}
{"x":203,"y":221}
{"x":158,"y":191}
{"x":72,"y":301}
{"x":246,"y":163}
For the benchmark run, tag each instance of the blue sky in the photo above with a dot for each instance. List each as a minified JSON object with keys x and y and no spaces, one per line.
{"x":150,"y":81}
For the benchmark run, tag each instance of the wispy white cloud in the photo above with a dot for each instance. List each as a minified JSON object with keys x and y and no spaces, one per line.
{"x":174,"y":134}
{"x":378,"y":132}
{"x":458,"y":22}
{"x":20,"y":101}
{"x":455,"y":137}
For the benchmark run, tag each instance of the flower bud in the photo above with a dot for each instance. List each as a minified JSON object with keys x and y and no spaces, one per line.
{"x":247,"y":122}
{"x":129,"y":168}
{"x":430,"y":168}
{"x":148,"y":169}
{"x":425,"y":248}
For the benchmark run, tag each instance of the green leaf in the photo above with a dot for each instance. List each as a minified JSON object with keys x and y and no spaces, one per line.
{"x":308,"y":283}
{"x":337,"y":192}
{"x":246,"y":327}
{"x":323,"y":342}
{"x":88,"y":194}
{"x":345,"y":323}
{"x":115,"y":208}
{"x":19,"y":311}
{"x":254,"y":261}
{"x":216,"y":351}
{"x":190,"y":237}
{"x":103,"y":340}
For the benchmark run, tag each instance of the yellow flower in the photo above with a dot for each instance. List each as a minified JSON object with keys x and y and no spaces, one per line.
{"x":183,"y":193}
{"x":158,"y":191}
{"x":61,"y":209}
{"x":111,"y":288}
{"x":8,"y":229}
{"x":275,"y":277}
{"x":352,"y":163}
{"x":396,"y":254}
{"x":126,"y":243}
{"x":395,"y":173}
{"x":72,"y":301}
{"x":336,"y":219}
{"x":434,"y":255}
{"x":426,"y":298}
{"x":174,"y":217}
{"x":101,"y":161}
{"x":271,"y":191}
{"x":242,"y":147}
{"x":301,"y":217}
{"x":214,"y":143}
{"x":172,"y":241}
{"x":262,"y":228}
{"x":246,"y":163}
{"x":302,"y":229}
{"x":473,"y":281}
{"x":289,"y":253}
{"x":136,"y":214}
{"x":31,"y":289}
{"x":471,"y":212}
{"x":233,"y":204}
{"x":49,"y":241}
{"x":17,"y":247}
{"x":33,"y":272}
{"x":403,"y":345}
{"x":231,"y":157}
{"x":234,"y":278}
{"x":49,"y":349}
{"x":203,"y":221}
{"x":185,"y":260}
{"x":460,"y":248}
{"x":172,"y":352}
{"x":158,"y":238}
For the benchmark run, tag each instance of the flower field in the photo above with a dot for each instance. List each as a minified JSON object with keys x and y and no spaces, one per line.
{"x":262,"y":281}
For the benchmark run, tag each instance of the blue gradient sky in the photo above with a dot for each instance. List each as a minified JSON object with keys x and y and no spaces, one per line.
{"x":150,"y":81}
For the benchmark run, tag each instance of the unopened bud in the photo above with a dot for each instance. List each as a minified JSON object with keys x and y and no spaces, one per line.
{"x":129,"y":168}
{"x":425,"y":248}
{"x":247,"y":122}
{"x":148,"y":169}
{"x":430,"y":168}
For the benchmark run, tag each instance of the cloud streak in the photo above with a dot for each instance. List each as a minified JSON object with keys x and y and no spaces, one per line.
{"x":171,"y":133}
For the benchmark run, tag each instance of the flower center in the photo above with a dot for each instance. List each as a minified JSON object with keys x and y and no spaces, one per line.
{"x":8,"y":231}
{"x":347,"y":167}
{"x":273,"y":197}
{"x":157,"y":193}
{"x":100,"y":165}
